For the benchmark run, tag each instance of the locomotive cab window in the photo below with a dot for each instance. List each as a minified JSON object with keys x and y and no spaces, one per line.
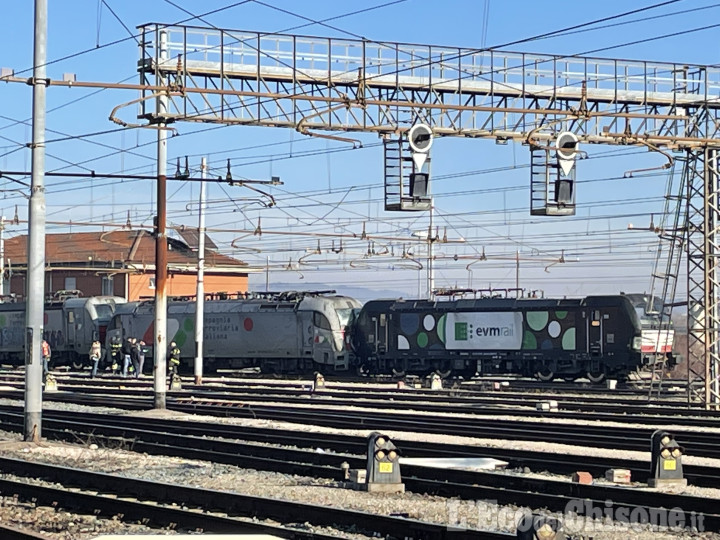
{"x":346,"y":316}
{"x":321,"y":321}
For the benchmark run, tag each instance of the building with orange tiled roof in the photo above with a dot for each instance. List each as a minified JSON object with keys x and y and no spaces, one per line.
{"x":121,"y":263}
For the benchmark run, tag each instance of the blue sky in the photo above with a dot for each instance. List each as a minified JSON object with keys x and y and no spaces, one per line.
{"x":481,"y":189}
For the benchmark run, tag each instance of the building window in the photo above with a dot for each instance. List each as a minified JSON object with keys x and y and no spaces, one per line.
{"x":108,"y":286}
{"x":70,"y":283}
{"x":151,"y":283}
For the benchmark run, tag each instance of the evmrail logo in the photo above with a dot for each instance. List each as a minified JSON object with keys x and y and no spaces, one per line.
{"x":463,"y":331}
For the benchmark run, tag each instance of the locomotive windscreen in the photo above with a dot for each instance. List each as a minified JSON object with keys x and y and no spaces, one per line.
{"x":346,"y":316}
{"x":104,"y":312}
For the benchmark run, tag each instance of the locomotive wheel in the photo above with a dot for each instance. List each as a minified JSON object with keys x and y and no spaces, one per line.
{"x":398,"y":372}
{"x":77,"y":364}
{"x":363,"y":370}
{"x":545,"y":375}
{"x":595,"y":377}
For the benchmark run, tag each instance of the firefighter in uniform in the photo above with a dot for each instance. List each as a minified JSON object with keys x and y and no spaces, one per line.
{"x":173,"y":359}
{"x":115,"y":352}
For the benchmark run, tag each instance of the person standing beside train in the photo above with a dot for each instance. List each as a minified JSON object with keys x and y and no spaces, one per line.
{"x":135,"y":356}
{"x":115,"y":352}
{"x":95,"y":356}
{"x":127,"y":355}
{"x":46,"y":354}
{"x":142,"y":351}
{"x":173,"y":359}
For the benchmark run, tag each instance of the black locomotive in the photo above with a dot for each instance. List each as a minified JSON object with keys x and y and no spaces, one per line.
{"x":593,"y":337}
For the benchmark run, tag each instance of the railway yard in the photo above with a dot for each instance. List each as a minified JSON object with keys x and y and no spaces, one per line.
{"x":303,"y":330}
{"x":251,"y":455}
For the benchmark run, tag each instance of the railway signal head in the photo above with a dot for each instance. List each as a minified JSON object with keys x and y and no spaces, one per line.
{"x":420,"y":139}
{"x":666,"y":460}
{"x":566,"y":148}
{"x":383,"y":460}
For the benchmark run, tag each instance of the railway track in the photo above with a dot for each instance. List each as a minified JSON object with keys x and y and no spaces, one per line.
{"x":505,"y":489}
{"x":624,"y":411}
{"x":74,"y":427}
{"x":632,"y":392}
{"x":12,"y":533}
{"x":196,"y":509}
{"x":326,"y":414}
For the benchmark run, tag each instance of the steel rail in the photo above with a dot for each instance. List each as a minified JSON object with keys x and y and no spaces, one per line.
{"x":620,"y":438}
{"x":13,"y":533}
{"x":133,"y":430}
{"x":623,"y":411}
{"x":208,"y":500}
{"x":502,"y":488}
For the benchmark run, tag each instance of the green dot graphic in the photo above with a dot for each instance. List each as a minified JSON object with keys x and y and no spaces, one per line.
{"x":537,"y":319}
{"x":529,"y":340}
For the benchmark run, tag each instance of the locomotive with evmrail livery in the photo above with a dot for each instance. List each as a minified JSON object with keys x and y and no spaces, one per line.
{"x":593,"y":337}
{"x":71,"y":324}
{"x":279,"y":332}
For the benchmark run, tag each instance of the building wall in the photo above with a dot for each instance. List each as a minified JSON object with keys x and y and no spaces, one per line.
{"x":139,"y":284}
{"x":185,"y":285}
{"x":86,"y":281}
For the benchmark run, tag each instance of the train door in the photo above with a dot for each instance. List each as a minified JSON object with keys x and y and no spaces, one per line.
{"x":71,"y":328}
{"x":306,"y":334}
{"x":595,"y":334}
{"x":381,"y":331}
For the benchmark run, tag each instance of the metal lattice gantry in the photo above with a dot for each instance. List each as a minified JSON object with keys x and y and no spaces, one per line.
{"x":311,"y":83}
{"x":703,"y":236}
{"x":319,"y":85}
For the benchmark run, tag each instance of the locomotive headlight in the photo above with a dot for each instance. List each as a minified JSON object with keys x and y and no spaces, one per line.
{"x":637,"y":343}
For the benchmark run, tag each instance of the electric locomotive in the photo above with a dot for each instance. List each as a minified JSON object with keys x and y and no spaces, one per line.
{"x":658,"y":334}
{"x":593,"y":337}
{"x":71,"y":324}
{"x":279,"y":332}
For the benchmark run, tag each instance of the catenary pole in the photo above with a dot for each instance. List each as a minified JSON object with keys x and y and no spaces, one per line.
{"x":161,"y":341}
{"x":431,"y":256}
{"x":35,"y":286}
{"x":2,"y":255}
{"x":200,"y":293}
